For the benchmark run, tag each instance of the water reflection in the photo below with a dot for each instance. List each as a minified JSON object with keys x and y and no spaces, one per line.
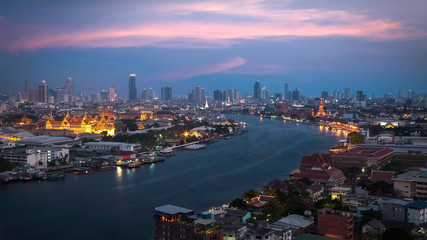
{"x":119,"y":171}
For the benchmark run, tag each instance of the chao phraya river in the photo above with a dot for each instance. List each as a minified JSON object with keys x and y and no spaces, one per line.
{"x":119,"y":204}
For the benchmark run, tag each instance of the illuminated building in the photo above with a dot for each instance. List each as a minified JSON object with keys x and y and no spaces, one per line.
{"x":112,"y":94}
{"x":321,"y":112}
{"x":25,"y":120}
{"x":97,"y":124}
{"x":172,"y":222}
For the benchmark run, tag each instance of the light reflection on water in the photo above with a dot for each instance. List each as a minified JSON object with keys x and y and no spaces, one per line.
{"x":119,"y":172}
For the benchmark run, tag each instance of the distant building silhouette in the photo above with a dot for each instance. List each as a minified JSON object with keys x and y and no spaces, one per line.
{"x":257,"y":90}
{"x":132,"y":87}
{"x":43,"y":92}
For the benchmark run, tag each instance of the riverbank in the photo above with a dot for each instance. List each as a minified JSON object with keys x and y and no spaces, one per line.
{"x":126,"y":198}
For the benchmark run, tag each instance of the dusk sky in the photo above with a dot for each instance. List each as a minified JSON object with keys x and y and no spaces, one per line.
{"x":315,"y":45}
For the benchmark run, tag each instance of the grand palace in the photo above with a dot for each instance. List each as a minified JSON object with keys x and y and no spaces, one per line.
{"x":96,"y":124}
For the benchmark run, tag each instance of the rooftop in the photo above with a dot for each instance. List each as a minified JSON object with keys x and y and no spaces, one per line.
{"x":418,"y":204}
{"x":366,"y":152}
{"x":396,"y":202}
{"x":296,"y":220}
{"x":171,"y":209}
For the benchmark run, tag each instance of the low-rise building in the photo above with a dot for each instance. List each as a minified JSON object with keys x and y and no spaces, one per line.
{"x":318,"y":168}
{"x":336,"y":224}
{"x":29,"y":157}
{"x":113,"y":145}
{"x":417,"y":212}
{"x":374,"y":227}
{"x":411,"y":184}
{"x":395,"y":210}
{"x":362,"y":157}
{"x":173,"y":222}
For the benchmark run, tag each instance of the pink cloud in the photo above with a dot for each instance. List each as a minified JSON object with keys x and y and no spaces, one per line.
{"x":197,"y":71}
{"x":178,"y":28}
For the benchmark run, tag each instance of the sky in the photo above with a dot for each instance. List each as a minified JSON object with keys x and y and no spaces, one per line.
{"x":314,"y":45}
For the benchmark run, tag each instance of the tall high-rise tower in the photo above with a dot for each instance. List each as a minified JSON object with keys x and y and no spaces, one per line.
{"x":257,"y":90}
{"x":132,"y":87}
{"x":68,"y":90}
{"x":347,"y":93}
{"x":112,"y":94}
{"x":43,"y":92}
{"x":27,"y":86}
{"x":166,"y":93}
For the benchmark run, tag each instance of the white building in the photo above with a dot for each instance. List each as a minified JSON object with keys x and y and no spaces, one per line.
{"x":417,"y":212}
{"x":113,"y":145}
{"x":26,"y":158}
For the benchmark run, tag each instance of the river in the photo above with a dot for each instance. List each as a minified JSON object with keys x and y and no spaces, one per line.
{"x":119,"y":204}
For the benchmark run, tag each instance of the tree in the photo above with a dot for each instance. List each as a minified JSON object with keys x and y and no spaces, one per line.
{"x":5,"y":165}
{"x":269,"y":190}
{"x":250,"y":194}
{"x":273,"y":210}
{"x":238,"y":203}
{"x":380,"y":188}
{"x":396,"y":234}
{"x":306,"y":181}
{"x":370,"y":214}
{"x":355,"y":138}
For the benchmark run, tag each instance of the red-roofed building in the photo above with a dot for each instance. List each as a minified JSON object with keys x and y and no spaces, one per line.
{"x":335,"y":224}
{"x":362,"y":157}
{"x":317,"y":168}
{"x":259,"y":202}
{"x":382,"y":176}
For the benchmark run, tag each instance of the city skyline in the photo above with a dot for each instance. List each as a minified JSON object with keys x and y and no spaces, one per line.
{"x":322,"y":44}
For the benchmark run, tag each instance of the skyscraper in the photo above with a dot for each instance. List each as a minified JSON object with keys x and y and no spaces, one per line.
{"x":132,"y":87}
{"x":144,"y":94}
{"x":359,"y":96}
{"x":59,"y":94}
{"x":197,"y":95}
{"x":166,"y":93}
{"x":263,"y":89}
{"x":104,"y":95}
{"x":325,"y":95}
{"x":347,"y":93}
{"x":286,"y":92}
{"x":217,"y":95}
{"x":43,"y":92}
{"x":296,"y":95}
{"x":151,"y":94}
{"x":112,"y":94}
{"x":236,"y":95}
{"x":257,"y":90}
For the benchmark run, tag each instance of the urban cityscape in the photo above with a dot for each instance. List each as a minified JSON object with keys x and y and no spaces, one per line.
{"x":213,"y":120}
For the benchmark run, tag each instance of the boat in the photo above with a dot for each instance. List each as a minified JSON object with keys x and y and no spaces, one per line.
{"x":81,"y":171}
{"x":153,"y":160}
{"x":56,"y":177}
{"x":108,"y":167}
{"x":133,"y":165}
{"x":195,"y":146}
{"x":166,"y":152}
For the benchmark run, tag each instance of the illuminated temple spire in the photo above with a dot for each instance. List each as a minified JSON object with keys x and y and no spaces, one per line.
{"x":321,"y":112}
